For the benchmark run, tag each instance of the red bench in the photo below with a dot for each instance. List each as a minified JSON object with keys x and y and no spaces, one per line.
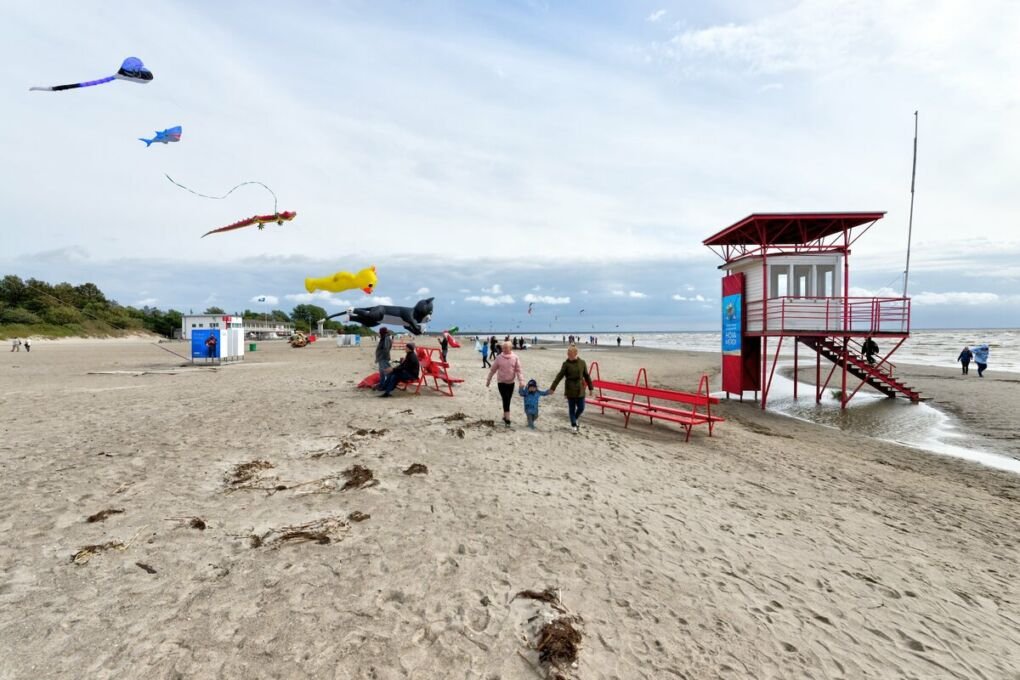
{"x":687,"y":416}
{"x":432,"y":366}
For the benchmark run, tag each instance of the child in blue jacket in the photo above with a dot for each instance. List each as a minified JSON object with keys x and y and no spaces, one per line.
{"x":532,"y":395}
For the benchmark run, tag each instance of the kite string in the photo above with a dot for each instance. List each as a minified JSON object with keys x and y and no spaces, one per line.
{"x":217,"y":198}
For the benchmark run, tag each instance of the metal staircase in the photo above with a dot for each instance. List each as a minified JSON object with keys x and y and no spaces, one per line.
{"x":879,"y":376}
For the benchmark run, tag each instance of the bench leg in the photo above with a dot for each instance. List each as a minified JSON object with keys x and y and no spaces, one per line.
{"x":688,"y":437}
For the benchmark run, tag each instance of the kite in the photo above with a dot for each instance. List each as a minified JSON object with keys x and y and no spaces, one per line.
{"x":530,"y":306}
{"x":258,"y":220}
{"x":580,"y":313}
{"x":131,"y":69}
{"x":410,"y":318}
{"x":165,"y":137}
{"x":341,"y":281}
{"x":448,"y":334}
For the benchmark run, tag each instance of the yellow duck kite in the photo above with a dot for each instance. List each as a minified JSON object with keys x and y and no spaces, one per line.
{"x":341,"y":281}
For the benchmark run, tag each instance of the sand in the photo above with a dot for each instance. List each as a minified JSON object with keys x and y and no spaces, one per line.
{"x":774,"y":549}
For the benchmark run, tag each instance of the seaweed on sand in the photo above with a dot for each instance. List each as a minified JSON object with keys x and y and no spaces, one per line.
{"x":559,"y":641}
{"x":103,"y":514}
{"x":320,"y":531}
{"x":247,"y":473}
{"x":358,"y":477}
{"x":88,"y":552}
{"x":549,"y":596}
{"x":416,"y":469}
{"x":358,"y":516}
{"x":191,"y":522}
{"x":348,"y":442}
{"x":299,"y":536}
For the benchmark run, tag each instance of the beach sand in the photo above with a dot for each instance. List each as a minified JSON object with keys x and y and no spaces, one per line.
{"x":774,"y":549}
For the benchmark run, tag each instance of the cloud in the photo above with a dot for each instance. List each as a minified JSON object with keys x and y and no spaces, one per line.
{"x":147,"y":302}
{"x":319,"y":297}
{"x":695,"y":298}
{"x":490,"y":301}
{"x":961,"y":298}
{"x":422,"y":291}
{"x":656,"y":16}
{"x":265,"y":300}
{"x":631,"y":294}
{"x":495,"y":290}
{"x":547,"y":299}
{"x":463,"y":290}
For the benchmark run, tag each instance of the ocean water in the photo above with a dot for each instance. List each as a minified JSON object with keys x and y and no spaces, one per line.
{"x":919,"y":426}
{"x":926,"y":347}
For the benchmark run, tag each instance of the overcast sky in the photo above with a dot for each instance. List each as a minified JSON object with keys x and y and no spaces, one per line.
{"x":574,"y":152}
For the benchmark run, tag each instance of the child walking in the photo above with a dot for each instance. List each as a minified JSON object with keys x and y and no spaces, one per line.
{"x":532,"y":395}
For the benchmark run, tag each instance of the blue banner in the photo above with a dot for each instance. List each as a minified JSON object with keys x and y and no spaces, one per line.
{"x":732,"y":329}
{"x":199,"y":347}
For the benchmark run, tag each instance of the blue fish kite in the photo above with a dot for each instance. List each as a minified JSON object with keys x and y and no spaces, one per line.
{"x":165,"y":137}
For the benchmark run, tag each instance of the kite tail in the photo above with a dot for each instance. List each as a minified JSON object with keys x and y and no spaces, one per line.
{"x":58,"y":88}
{"x":218,"y":198}
{"x":148,"y":142}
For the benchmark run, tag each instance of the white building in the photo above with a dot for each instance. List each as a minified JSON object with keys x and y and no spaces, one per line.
{"x":228,"y":331}
{"x":201,"y":321}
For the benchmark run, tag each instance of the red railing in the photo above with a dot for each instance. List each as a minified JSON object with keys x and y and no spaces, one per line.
{"x":829,"y":314}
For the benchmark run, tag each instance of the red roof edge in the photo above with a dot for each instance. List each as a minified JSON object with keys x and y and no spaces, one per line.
{"x":851,"y":219}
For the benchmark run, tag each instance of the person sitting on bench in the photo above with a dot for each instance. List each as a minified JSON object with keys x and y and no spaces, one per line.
{"x":406,"y":371}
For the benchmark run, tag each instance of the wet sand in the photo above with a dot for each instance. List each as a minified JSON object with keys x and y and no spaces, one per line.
{"x":774,"y":549}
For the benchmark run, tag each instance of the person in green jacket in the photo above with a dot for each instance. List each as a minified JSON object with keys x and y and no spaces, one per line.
{"x":576,"y":373}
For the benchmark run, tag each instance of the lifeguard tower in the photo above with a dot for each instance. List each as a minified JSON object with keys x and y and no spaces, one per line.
{"x":787,"y":275}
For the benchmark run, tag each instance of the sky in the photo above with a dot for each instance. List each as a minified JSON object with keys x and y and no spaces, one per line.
{"x":569,"y":155}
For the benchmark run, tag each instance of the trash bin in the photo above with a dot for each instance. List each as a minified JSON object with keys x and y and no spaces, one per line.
{"x":251,"y":346}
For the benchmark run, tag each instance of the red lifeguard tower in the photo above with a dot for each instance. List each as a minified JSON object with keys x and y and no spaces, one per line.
{"x":788,"y":276}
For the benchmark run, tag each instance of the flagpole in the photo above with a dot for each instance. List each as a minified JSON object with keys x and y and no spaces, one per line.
{"x":910,"y":221}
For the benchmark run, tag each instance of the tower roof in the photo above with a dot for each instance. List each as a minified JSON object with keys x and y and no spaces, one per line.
{"x":766,"y":229}
{"x":761,"y":234}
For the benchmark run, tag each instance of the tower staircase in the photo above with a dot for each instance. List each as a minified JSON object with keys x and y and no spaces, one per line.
{"x":880,"y":376}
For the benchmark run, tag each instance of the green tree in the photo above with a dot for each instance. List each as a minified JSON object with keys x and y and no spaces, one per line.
{"x":63,"y":315}
{"x":18,"y":315}
{"x":213,"y":310}
{"x":306,"y":316}
{"x":279,"y":315}
{"x":13,"y":291}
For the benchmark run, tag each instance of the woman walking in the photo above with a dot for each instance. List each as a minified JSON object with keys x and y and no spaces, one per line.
{"x":576,"y":373}
{"x":507,"y":369}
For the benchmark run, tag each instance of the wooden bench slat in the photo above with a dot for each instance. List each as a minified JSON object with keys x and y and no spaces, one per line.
{"x":656,"y":393}
{"x":655,"y":412}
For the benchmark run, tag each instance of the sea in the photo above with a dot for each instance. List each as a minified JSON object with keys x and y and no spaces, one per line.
{"x":919,"y":426}
{"x":937,"y":347}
